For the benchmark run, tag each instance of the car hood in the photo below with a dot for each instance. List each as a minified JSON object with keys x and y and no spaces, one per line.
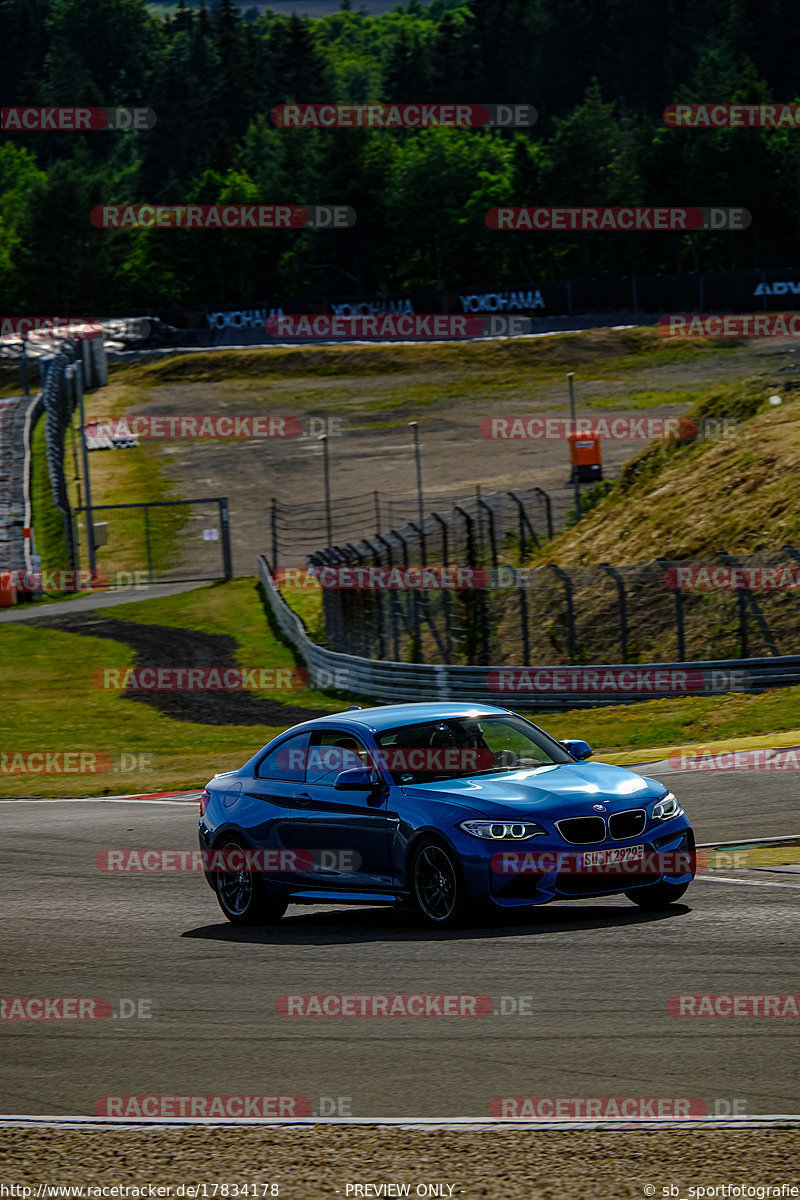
{"x":564,"y":787}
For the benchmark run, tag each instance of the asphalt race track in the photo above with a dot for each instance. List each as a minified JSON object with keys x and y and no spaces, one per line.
{"x":598,"y":975}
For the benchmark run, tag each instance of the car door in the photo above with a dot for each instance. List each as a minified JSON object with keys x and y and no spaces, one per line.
{"x":346,"y":832}
{"x":268,"y":798}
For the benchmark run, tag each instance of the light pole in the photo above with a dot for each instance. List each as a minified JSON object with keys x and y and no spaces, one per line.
{"x":327,"y":478}
{"x":574,"y":429}
{"x":420,"y":504}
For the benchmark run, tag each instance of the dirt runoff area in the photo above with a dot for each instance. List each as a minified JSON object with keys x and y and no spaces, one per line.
{"x":365,"y":397}
{"x":322,"y":1162}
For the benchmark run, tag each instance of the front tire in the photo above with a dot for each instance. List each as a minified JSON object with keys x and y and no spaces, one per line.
{"x":244,"y":897}
{"x":437,"y":886}
{"x":657,"y":895}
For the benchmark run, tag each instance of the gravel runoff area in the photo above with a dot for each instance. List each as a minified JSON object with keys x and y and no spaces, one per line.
{"x":321,"y":1161}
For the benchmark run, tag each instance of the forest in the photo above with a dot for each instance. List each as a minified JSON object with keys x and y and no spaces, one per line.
{"x":599,"y":74}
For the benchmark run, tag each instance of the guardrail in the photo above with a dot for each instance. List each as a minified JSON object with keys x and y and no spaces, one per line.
{"x":543,"y":688}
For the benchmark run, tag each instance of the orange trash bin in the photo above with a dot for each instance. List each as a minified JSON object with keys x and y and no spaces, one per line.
{"x":8,"y":590}
{"x":585,"y":456}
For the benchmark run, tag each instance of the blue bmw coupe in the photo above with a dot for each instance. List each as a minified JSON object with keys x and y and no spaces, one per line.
{"x":452,"y":808}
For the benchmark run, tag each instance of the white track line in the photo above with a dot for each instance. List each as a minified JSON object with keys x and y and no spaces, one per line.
{"x":421,"y":1123}
{"x":101,"y":800}
{"x":791,"y":838}
{"x":744,"y":882}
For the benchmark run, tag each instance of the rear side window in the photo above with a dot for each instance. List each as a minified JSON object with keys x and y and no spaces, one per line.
{"x":285,"y":761}
{"x":332,"y":751}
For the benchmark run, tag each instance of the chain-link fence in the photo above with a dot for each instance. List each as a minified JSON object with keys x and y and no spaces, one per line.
{"x":379,"y":601}
{"x":163,"y":541}
{"x":298,"y":530}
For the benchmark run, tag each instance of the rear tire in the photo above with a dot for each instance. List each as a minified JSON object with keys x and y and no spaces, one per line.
{"x":657,"y":895}
{"x":244,"y":897}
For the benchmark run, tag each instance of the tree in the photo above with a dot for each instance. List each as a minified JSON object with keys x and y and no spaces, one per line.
{"x":19,"y":177}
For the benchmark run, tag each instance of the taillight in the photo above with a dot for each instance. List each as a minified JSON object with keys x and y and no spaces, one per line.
{"x":204,"y":800}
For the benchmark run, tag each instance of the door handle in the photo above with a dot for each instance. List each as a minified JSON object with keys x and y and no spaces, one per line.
{"x":304,"y":797}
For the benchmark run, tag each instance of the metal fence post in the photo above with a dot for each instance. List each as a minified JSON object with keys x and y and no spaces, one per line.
{"x":567,"y":582}
{"x":523,"y":615}
{"x":224,"y":520}
{"x":481,"y":599}
{"x":415,"y":625}
{"x":448,"y":612}
{"x":379,"y":608}
{"x":147,"y":547}
{"x":678,"y":596}
{"x":392,"y":599}
{"x":492,"y":538}
{"x":621,"y":605}
{"x":548,"y":508}
{"x":523,"y":521}
{"x":274,"y":528}
{"x":749,"y":599}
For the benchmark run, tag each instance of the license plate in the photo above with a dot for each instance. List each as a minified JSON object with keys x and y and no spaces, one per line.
{"x":619,"y":854}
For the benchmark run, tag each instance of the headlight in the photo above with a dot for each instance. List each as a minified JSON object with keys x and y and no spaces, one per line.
{"x":502,"y":831}
{"x":667,"y":808}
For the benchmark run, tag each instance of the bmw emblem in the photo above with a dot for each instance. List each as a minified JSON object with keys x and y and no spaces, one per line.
{"x":598,"y":808}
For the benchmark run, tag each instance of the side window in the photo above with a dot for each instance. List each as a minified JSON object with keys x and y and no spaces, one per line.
{"x":286,"y":761}
{"x":332,"y":751}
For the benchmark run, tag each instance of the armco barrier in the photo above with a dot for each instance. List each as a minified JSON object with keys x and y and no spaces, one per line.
{"x":396,"y":681}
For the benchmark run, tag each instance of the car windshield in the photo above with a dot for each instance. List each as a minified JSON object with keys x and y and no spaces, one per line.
{"x":461,"y":747}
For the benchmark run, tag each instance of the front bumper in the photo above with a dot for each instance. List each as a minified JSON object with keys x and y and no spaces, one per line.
{"x":524,"y":874}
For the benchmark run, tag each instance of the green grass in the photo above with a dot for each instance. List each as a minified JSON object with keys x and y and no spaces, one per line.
{"x":680,"y":499}
{"x":56,"y":707}
{"x":674,"y":722}
{"x":598,"y":354}
{"x":649,"y":399}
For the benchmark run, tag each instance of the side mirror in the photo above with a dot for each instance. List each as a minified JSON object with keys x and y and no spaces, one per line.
{"x":357,"y":779}
{"x":578,"y":749}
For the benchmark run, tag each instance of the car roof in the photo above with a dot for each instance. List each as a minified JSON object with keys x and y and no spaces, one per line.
{"x":388,"y":716}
